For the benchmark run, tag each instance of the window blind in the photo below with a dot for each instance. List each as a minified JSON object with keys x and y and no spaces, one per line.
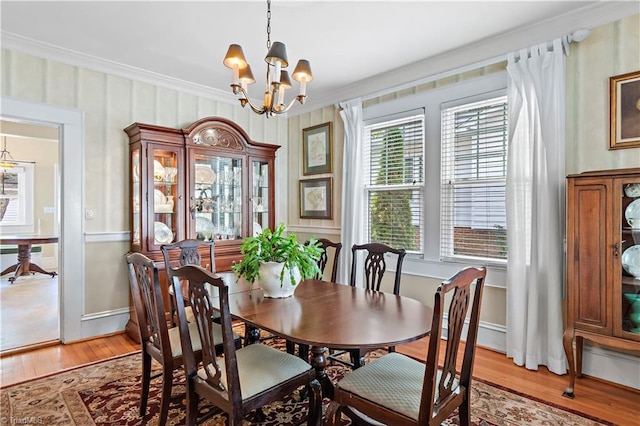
{"x":474,"y":165}
{"x":394,"y":181}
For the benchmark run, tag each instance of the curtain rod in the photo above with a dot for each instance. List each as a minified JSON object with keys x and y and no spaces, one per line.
{"x":577,"y":36}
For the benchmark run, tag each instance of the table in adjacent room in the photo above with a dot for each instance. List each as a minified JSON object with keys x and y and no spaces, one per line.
{"x":24,"y":266}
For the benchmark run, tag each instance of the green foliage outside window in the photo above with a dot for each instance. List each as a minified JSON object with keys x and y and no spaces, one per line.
{"x":391,"y":217}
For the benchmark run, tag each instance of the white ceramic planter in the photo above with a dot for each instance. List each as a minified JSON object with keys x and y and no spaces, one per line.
{"x":270,"y":280}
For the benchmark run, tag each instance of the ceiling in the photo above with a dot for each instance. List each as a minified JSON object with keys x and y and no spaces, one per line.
{"x":355,"y":47}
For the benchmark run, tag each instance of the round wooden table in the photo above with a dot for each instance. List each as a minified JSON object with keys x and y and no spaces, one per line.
{"x":24,"y":265}
{"x":328,"y":315}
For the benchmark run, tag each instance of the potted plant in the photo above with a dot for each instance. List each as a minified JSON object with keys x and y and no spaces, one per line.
{"x":277,"y":261}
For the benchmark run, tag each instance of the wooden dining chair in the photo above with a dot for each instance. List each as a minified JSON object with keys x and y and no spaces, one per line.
{"x":373,"y":270}
{"x":157,"y":340}
{"x":326,"y":246}
{"x":398,"y":390}
{"x":243,"y":379}
{"x":186,"y":252}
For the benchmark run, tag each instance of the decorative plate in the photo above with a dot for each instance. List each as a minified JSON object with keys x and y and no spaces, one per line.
{"x":162,"y":233}
{"x":204,"y":174}
{"x":632,"y":190}
{"x":158,"y":171}
{"x":631,"y":260}
{"x":632,"y":214}
{"x":257,"y":229}
{"x":158,"y":197}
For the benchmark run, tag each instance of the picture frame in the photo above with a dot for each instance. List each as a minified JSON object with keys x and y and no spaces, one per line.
{"x":316,"y":198}
{"x":317,"y":149}
{"x":624,"y":110}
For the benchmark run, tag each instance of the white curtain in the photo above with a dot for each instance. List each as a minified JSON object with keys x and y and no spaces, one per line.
{"x":351,"y":184}
{"x":535,"y":207}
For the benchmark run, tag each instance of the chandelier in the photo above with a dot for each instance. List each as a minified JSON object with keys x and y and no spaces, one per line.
{"x":6,"y":160}
{"x":277,"y":78}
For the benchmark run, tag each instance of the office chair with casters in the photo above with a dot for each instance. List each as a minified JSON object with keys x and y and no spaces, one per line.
{"x":374,"y":268}
{"x":398,"y":390}
{"x":243,"y":379}
{"x":326,"y":246}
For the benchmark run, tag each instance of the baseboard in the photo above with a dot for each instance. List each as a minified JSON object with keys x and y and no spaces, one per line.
{"x":105,"y":322}
{"x":612,"y":366}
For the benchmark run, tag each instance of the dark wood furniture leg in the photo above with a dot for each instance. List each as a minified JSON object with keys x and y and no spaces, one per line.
{"x":24,"y":265}
{"x":567,"y":343}
{"x":319,"y":362}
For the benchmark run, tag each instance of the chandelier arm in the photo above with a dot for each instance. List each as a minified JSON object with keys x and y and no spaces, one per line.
{"x":246,"y":99}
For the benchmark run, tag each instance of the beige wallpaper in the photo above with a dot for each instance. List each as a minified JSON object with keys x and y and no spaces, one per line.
{"x":609,"y":50}
{"x":110,"y":104}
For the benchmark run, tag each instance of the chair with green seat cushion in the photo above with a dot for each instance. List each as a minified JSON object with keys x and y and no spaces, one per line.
{"x":187,"y":252}
{"x":243,"y":379}
{"x":323,"y":261}
{"x":157,"y":340}
{"x":398,"y":390}
{"x":373,"y":268}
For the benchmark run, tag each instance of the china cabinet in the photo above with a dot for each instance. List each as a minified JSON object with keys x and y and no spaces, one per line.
{"x":603,"y":264}
{"x":208,"y":181}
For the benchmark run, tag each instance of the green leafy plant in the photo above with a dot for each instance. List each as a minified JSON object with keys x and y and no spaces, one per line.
{"x":269,"y":246}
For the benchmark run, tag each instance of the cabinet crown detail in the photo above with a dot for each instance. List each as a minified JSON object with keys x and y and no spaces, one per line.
{"x":218,"y":137}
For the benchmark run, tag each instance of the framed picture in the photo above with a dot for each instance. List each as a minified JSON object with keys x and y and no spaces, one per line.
{"x":624,"y":110}
{"x":317,"y":147}
{"x":315,"y":199}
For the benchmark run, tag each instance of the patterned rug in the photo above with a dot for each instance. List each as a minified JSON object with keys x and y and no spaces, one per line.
{"x":108,"y":392}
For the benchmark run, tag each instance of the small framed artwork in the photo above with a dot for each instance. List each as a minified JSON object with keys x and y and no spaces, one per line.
{"x":317,"y":147}
{"x":315,"y":199}
{"x":624,"y":111}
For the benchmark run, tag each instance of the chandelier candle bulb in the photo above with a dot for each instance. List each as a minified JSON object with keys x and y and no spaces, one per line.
{"x":277,"y":80}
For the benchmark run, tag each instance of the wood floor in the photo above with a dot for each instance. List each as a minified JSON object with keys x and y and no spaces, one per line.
{"x":596,"y":398}
{"x":28,"y":311}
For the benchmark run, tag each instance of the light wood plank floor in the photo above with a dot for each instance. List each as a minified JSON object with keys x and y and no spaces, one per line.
{"x":594,"y":397}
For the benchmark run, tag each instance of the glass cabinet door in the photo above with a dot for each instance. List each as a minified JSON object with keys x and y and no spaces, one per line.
{"x":136,"y":198}
{"x":260,"y":200}
{"x":164,"y":197}
{"x":217,"y":198}
{"x":630,"y":257}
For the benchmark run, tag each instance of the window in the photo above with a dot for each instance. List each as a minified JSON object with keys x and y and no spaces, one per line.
{"x":16,"y":195}
{"x":473,"y":174}
{"x":393,"y":181}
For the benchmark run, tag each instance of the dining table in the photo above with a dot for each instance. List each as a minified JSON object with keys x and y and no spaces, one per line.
{"x":24,"y":266}
{"x":327,"y":315}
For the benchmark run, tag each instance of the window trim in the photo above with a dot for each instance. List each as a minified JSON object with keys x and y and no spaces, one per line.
{"x":27,"y":197}
{"x":429,"y":264}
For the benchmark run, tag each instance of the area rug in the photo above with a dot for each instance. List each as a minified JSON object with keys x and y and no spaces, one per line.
{"x":108,"y":392}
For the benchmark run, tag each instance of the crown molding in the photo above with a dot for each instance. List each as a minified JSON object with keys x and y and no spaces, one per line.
{"x":476,"y":54}
{"x":71,"y":57}
{"x":482,"y":51}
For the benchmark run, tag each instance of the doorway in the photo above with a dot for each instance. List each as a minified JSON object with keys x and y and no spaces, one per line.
{"x":30,"y":191}
{"x":70,"y":123}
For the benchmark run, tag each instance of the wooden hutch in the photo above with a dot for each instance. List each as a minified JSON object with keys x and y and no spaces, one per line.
{"x":600,"y":289}
{"x":208,"y":181}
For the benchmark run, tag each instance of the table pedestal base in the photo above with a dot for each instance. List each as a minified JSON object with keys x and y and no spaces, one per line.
{"x":24,"y":265}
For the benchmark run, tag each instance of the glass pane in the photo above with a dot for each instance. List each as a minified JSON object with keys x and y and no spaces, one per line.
{"x":135,"y":196}
{"x":631,"y":257}
{"x":165,"y":194}
{"x":218,"y":198}
{"x":260,"y":201}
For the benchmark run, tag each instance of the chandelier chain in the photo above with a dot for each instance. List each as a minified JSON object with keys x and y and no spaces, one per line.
{"x":268,"y":25}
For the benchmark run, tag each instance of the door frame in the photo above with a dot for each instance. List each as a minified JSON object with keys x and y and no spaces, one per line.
{"x":70,"y":123}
